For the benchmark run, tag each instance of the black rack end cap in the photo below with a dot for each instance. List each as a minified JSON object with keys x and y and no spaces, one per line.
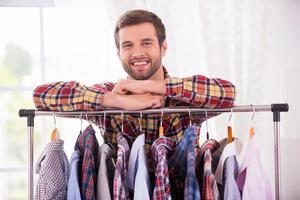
{"x":27,"y":112}
{"x":280,"y":107}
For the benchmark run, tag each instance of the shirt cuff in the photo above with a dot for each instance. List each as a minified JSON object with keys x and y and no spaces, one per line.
{"x":92,"y":100}
{"x":174,"y":87}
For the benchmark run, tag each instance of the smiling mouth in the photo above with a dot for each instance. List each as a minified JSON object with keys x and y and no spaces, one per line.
{"x":140,"y":63}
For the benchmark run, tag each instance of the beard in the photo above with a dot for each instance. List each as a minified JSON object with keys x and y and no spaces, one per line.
{"x":142,"y":75}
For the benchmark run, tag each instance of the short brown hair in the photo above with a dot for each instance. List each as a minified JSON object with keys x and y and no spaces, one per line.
{"x":134,"y":17}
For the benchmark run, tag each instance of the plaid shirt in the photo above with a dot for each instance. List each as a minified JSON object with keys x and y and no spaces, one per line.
{"x":205,"y":170}
{"x":88,"y":146}
{"x":182,"y":165}
{"x":196,"y":90}
{"x":120,"y":190}
{"x":161,"y":149}
{"x":53,"y":168}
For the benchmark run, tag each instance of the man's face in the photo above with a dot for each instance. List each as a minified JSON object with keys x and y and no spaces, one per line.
{"x":139,"y":50}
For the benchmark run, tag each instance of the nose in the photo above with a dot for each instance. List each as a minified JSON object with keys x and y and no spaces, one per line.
{"x":137,"y":52}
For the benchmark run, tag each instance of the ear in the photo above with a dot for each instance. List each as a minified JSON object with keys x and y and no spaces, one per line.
{"x":118,"y":53}
{"x":164,"y":48}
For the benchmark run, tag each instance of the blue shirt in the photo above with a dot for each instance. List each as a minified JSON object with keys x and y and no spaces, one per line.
{"x":73,"y":184}
{"x":138,"y":176}
{"x":182,"y":165}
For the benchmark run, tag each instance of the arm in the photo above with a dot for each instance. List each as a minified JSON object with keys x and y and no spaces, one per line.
{"x":72,"y":96}
{"x":201,"y":91}
{"x":196,"y":90}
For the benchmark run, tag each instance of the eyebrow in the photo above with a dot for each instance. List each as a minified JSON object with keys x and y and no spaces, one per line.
{"x":143,"y":40}
{"x":147,"y":40}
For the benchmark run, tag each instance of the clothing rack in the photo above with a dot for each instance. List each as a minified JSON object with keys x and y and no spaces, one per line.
{"x":275,"y":108}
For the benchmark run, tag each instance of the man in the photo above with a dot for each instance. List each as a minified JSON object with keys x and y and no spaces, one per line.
{"x":141,"y":43}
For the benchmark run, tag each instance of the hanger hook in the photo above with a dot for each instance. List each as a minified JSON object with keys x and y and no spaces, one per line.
{"x":86,"y":116}
{"x":161,"y":117}
{"x":104,"y":121}
{"x":231,"y":111}
{"x":122,"y":118}
{"x":253,"y":108}
{"x":81,"y":116}
{"x":190,"y":116}
{"x":206,"y":121}
{"x":141,"y":121}
{"x":54,"y":119}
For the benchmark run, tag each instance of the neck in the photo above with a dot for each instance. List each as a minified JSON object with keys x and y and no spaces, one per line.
{"x":158,"y":75}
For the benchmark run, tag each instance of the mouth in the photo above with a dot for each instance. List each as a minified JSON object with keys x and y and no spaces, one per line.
{"x":140,"y":63}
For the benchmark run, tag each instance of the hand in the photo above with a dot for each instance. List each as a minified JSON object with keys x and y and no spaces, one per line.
{"x":125,"y":86}
{"x":133,"y":102}
{"x":141,"y":101}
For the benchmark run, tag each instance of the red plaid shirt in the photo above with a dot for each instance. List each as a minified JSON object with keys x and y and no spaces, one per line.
{"x":196,"y":90}
{"x":205,"y":169}
{"x":120,"y":190}
{"x":162,"y":148}
{"x":88,"y":147}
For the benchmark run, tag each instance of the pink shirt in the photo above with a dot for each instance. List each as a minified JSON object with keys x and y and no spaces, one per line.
{"x":252,"y":179}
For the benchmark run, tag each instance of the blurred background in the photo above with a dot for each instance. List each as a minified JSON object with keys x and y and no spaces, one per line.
{"x":253,"y":43}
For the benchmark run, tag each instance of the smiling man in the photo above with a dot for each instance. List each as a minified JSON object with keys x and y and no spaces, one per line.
{"x":141,"y":43}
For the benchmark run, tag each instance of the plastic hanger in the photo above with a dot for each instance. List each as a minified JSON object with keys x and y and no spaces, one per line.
{"x":229,"y":129}
{"x":251,"y":132}
{"x":161,"y":128}
{"x":55,"y":133}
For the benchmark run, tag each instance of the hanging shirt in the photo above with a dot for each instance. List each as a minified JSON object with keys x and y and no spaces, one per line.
{"x":73,"y":184}
{"x":196,"y":90}
{"x":182,"y":167}
{"x":138,"y":179}
{"x":106,"y":172}
{"x":161,"y":150}
{"x":205,"y":169}
{"x":53,"y":169}
{"x":120,"y":190}
{"x":228,"y":169}
{"x":252,"y":179}
{"x":88,"y":146}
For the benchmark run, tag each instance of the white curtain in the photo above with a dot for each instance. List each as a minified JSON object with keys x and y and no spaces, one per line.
{"x":253,"y":43}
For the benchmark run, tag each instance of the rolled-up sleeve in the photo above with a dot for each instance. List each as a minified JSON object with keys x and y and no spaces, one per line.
{"x":201,"y":91}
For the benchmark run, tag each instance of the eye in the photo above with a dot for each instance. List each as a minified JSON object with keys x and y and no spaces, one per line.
{"x":147,"y":43}
{"x":126,"y":46}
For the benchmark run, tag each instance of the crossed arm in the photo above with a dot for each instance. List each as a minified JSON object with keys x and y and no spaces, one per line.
{"x":126,"y":94}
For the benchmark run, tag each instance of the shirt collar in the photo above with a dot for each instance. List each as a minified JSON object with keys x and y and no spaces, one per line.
{"x":162,"y":143}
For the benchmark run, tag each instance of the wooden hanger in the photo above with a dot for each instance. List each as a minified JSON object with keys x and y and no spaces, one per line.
{"x":229,"y":130}
{"x":251,"y":132}
{"x":55,"y":133}
{"x":161,"y":128}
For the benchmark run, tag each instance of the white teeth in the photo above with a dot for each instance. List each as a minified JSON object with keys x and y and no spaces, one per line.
{"x":140,"y":63}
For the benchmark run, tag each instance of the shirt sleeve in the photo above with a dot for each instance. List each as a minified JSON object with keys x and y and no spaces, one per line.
{"x":70,"y":96}
{"x":201,"y":91}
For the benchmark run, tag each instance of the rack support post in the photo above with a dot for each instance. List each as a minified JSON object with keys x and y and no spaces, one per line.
{"x":30,"y":114}
{"x":276,"y":109}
